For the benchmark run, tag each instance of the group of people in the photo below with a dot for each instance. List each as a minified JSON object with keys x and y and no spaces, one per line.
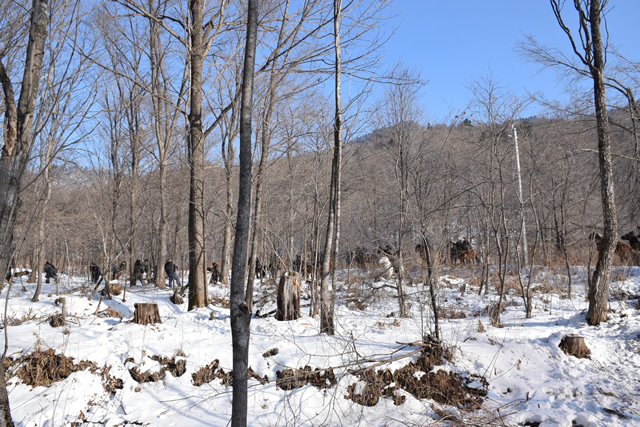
{"x":141,"y":272}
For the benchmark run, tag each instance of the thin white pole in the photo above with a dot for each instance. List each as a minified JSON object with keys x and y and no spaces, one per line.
{"x":523,"y":229}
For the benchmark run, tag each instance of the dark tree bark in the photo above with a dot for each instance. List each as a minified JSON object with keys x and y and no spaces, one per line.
{"x":599,"y":292}
{"x":337,"y":171}
{"x":15,"y":152}
{"x":240,"y":315}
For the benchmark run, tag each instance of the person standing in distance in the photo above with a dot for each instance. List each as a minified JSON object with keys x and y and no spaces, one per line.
{"x":172,"y":272}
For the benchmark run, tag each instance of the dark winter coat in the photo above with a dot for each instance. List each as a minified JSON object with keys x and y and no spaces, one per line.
{"x":95,"y":272}
{"x":138,"y":269}
{"x":50,"y":270}
{"x":170,"y":268}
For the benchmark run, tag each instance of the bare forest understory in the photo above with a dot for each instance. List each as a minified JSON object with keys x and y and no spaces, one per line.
{"x":185,"y":186}
{"x":99,"y":366}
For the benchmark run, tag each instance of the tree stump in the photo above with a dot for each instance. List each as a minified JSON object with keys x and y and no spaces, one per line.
{"x":288,"y":297}
{"x":146,"y":313}
{"x":574,"y":345}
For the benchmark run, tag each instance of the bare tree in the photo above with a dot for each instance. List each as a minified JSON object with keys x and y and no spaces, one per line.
{"x":240,"y":315}
{"x":400,"y":115}
{"x":197,"y":285}
{"x":15,"y":151}
{"x":591,"y":54}
{"x":497,"y":108}
{"x":326,"y":313}
{"x":61,"y":113}
{"x":229,"y":131}
{"x":198,"y":42}
{"x":165,"y":121}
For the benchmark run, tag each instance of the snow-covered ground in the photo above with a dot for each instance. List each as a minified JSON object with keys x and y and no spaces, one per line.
{"x":531,"y":381}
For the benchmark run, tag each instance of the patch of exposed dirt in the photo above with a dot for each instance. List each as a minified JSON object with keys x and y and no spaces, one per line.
{"x":290,"y":379}
{"x":176,"y":368}
{"x":444,"y":387}
{"x":213,"y":371}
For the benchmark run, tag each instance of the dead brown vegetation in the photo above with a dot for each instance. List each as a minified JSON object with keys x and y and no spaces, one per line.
{"x":213,"y":371}
{"x":290,"y":379}
{"x":450,"y":314}
{"x":219,"y":301}
{"x":417,"y":379}
{"x":44,"y":367}
{"x":176,"y":368}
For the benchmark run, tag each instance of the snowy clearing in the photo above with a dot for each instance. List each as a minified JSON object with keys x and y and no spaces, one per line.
{"x":529,"y":379}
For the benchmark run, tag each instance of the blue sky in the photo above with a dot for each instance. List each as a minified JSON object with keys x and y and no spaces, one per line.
{"x":454,"y":42}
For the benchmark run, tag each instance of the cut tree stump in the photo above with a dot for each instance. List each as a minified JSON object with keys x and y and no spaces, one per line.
{"x":146,"y":314}
{"x":574,"y":345}
{"x":288,"y":297}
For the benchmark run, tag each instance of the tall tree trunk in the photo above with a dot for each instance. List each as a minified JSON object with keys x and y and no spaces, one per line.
{"x":41,"y":224}
{"x":240,"y":315}
{"x":228,"y":156}
{"x":134,"y":140}
{"x":228,"y":213}
{"x":326,"y":312}
{"x":337,"y":135}
{"x":165,"y":118}
{"x":599,"y":290}
{"x":15,"y":152}
{"x":197,"y":287}
{"x":163,"y":228}
{"x":265,"y":141}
